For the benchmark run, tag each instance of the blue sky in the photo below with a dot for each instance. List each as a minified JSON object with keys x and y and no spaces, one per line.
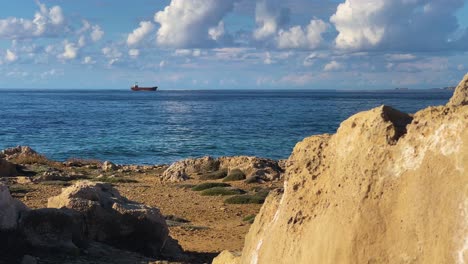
{"x":233,"y":44}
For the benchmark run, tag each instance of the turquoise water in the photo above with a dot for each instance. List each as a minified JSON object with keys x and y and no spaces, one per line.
{"x":164,"y":126}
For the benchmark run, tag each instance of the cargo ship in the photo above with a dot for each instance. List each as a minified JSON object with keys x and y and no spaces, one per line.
{"x":135,"y":87}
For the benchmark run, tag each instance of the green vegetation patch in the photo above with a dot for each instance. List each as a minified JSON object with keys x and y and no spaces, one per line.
{"x":209,"y":185}
{"x":245,"y":199}
{"x":173,"y":220}
{"x":56,"y":183}
{"x":221,"y":191}
{"x":251,"y":180}
{"x":235,"y":175}
{"x":194,"y":228}
{"x":215,"y":175}
{"x":19,"y":189}
{"x":115,"y":180}
{"x":249,"y":218}
{"x":185,"y":186}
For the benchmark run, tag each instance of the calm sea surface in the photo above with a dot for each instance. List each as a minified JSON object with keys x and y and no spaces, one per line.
{"x":161,"y":127}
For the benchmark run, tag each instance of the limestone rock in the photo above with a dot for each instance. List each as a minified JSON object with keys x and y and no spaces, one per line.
{"x":386,"y":188}
{"x":7,"y":169}
{"x":112,"y":219}
{"x":182,"y":170}
{"x":108,"y":166}
{"x":260,"y":168}
{"x":10,"y":209}
{"x":460,"y":96}
{"x":282,"y":164}
{"x":18,"y":151}
{"x":227,"y":257}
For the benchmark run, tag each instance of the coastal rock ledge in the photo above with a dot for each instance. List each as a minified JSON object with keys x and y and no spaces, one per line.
{"x":386,"y":188}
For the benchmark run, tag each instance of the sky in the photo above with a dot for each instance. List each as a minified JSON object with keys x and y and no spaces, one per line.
{"x":233,"y":44}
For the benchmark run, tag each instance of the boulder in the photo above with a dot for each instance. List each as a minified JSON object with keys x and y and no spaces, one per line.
{"x":52,"y":230}
{"x":253,"y":167}
{"x":108,"y":166}
{"x":227,"y":257}
{"x":112,"y":219}
{"x":386,"y":188}
{"x":7,"y":169}
{"x":17,"y":152}
{"x":10,"y":209}
{"x":183,"y":169}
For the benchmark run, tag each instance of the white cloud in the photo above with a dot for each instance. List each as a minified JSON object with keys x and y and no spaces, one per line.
{"x":146,"y":27}
{"x":400,"y":57}
{"x":268,"y":59}
{"x":134,"y":53}
{"x":333,"y":66}
{"x":51,"y":73}
{"x":187,"y":52}
{"x":10,"y":56}
{"x":88,"y":60}
{"x":395,"y":25}
{"x":111,"y":52}
{"x":269,"y":17}
{"x":70,"y":51}
{"x":46,"y":23}
{"x":97,"y":33}
{"x":297,"y":37}
{"x":310,"y":59}
{"x":217,"y":32}
{"x":187,"y":24}
{"x":81,"y":41}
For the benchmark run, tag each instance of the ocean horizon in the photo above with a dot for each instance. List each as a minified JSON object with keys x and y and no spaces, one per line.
{"x":168,"y":125}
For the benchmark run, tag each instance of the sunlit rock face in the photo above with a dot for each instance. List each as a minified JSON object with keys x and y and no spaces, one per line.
{"x":386,"y":188}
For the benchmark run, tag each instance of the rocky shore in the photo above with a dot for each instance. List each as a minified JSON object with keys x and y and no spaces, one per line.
{"x":388,"y":187}
{"x":73,"y":211}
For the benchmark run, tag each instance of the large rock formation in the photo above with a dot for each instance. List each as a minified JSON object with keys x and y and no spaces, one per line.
{"x":260,"y":168}
{"x":252,"y":167}
{"x":96,"y":217}
{"x":18,"y":152}
{"x":112,"y":219}
{"x":386,"y":188}
{"x":183,"y":169}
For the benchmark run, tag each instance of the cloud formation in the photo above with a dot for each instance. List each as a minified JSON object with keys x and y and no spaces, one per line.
{"x":46,"y":23}
{"x":269,"y":18}
{"x":307,"y":38}
{"x":396,"y":25}
{"x":10,"y":56}
{"x":134,"y":38}
{"x":187,"y":23}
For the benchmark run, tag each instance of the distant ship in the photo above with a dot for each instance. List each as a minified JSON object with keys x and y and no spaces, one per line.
{"x":135,"y":87}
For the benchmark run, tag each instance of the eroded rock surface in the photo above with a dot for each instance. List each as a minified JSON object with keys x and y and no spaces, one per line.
{"x":113,"y":219}
{"x":460,"y":97}
{"x":10,"y":209}
{"x":18,"y":152}
{"x":386,"y":188}
{"x":252,"y":167}
{"x":181,"y":170}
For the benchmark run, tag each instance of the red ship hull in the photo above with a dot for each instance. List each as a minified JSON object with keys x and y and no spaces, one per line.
{"x":149,"y":89}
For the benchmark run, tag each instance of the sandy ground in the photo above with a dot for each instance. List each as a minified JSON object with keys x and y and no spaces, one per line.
{"x":212,"y":225}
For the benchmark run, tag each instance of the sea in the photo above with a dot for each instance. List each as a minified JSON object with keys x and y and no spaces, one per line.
{"x":161,"y":127}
